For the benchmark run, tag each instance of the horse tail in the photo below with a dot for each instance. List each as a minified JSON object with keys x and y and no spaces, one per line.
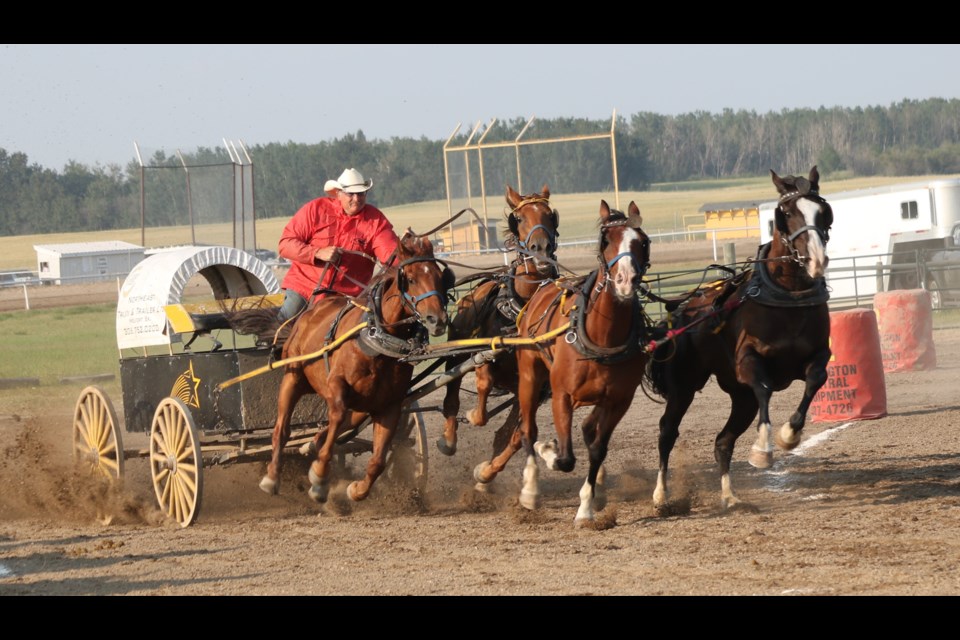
{"x":261,"y":322}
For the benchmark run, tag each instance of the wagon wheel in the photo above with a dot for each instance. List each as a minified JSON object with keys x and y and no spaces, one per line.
{"x":97,"y":444}
{"x":176,"y":464}
{"x":409,"y":455}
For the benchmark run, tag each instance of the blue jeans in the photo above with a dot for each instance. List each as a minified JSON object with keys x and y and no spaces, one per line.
{"x":293,"y":303}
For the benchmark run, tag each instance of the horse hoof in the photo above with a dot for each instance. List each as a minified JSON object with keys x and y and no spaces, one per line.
{"x":445,"y":449}
{"x":483,"y":487}
{"x":547,"y":452}
{"x":269,"y":486}
{"x":581,"y":523}
{"x":480,"y":473}
{"x":473,"y":417}
{"x":729,"y":502}
{"x":529,"y":501}
{"x":353,"y":493}
{"x":319,"y":488}
{"x":760,"y":459}
{"x":785,"y":445}
{"x":308,"y":450}
{"x":319,"y":492}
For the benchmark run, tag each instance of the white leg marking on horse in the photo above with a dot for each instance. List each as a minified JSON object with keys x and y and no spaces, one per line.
{"x":530,"y":493}
{"x":585,"y":512}
{"x":726,"y":493}
{"x":660,"y":492}
{"x":761,"y":453}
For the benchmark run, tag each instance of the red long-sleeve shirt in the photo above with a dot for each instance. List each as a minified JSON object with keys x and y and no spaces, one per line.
{"x":323,"y":223}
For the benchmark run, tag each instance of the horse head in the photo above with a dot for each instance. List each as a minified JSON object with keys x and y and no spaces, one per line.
{"x":802,"y":222}
{"x":533,"y":223}
{"x":424,"y":282}
{"x":624,"y":249}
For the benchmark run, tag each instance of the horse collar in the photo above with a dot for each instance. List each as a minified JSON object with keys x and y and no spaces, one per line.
{"x":577,"y":337}
{"x":374,"y":339}
{"x":764,"y":290}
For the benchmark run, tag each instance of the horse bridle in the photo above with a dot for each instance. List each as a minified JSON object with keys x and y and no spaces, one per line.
{"x":804,"y":190}
{"x":551,"y":233}
{"x":411,"y":302}
{"x":640,"y":270}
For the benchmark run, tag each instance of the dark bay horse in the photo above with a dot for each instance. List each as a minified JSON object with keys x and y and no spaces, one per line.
{"x":361,"y":371}
{"x":586,"y":342}
{"x":757,"y":332}
{"x":491,"y":307}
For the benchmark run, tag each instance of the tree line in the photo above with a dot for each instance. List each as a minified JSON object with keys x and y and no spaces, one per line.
{"x":912,"y":137}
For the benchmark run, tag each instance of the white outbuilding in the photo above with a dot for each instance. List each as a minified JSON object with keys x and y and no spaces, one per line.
{"x":76,"y":262}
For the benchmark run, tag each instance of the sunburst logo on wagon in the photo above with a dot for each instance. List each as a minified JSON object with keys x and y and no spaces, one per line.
{"x":186,"y":386}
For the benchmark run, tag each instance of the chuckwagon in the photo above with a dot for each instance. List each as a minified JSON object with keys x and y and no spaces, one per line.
{"x":175,"y":351}
{"x":207,"y":394}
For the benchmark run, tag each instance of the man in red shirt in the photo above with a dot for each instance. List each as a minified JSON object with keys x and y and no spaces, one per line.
{"x":325,"y":238}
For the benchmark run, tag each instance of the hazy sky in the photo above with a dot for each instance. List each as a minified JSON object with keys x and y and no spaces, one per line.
{"x":89,"y":103}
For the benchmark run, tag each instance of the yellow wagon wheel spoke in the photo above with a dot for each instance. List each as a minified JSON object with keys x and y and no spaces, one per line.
{"x":97,"y":444}
{"x":176,"y":462}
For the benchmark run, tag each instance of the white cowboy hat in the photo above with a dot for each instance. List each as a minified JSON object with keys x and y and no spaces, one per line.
{"x":351,"y":181}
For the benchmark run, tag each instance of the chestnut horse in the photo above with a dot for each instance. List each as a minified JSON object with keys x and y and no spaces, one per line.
{"x":361,"y":371}
{"x":756,"y":332}
{"x":587,"y":343}
{"x":491,"y":307}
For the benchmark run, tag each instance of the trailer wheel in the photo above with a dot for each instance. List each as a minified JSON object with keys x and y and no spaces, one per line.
{"x":176,"y":463}
{"x":97,"y":444}
{"x":936,"y":297}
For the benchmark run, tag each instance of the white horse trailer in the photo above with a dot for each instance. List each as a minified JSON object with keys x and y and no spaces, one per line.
{"x":882,"y":236}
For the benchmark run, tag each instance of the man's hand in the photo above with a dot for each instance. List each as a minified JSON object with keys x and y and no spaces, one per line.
{"x":328,"y":254}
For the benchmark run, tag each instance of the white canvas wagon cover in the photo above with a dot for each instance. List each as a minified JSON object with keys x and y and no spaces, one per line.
{"x":160,"y":279}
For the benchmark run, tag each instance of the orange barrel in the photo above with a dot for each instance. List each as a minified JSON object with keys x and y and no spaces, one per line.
{"x":856,"y":388}
{"x":905,"y":319}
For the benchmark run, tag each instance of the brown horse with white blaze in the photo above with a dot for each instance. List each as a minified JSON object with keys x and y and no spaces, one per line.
{"x":350,"y":353}
{"x":490,"y":309}
{"x":757,"y":333}
{"x":588,"y":345}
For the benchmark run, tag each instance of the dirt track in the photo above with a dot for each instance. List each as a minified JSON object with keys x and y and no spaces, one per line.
{"x":865,"y":508}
